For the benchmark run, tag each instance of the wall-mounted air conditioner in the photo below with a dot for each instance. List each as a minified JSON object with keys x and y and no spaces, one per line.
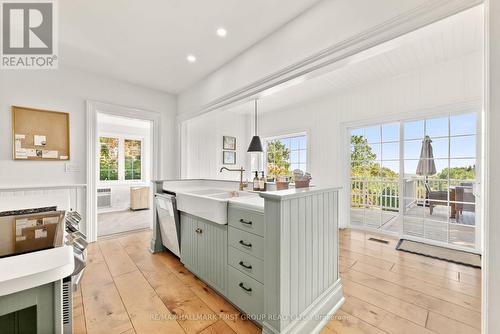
{"x":103,"y":198}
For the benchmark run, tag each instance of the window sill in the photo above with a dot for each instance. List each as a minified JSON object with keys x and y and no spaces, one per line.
{"x":122,"y":183}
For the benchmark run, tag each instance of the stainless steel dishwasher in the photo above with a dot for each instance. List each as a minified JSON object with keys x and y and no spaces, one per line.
{"x":168,"y":219}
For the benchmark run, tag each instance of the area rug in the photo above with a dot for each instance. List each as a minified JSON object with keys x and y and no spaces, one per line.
{"x":441,"y":253}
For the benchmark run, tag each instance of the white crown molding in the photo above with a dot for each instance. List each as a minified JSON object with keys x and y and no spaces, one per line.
{"x":411,"y":20}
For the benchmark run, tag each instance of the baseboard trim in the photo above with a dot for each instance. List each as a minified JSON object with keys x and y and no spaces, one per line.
{"x":316,"y":316}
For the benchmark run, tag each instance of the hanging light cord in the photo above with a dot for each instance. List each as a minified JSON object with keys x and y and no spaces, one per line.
{"x":256,"y":117}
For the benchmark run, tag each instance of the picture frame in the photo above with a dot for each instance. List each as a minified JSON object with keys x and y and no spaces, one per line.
{"x":228,"y":158}
{"x":229,"y":143}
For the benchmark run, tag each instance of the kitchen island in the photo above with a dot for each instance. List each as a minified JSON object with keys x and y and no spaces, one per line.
{"x":274,"y":255}
{"x":34,"y":261}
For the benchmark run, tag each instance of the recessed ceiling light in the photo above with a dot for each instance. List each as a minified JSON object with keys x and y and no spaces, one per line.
{"x":191,"y":58}
{"x":221,"y":32}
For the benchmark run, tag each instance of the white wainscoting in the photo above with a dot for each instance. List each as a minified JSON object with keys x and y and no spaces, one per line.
{"x":65,"y":197}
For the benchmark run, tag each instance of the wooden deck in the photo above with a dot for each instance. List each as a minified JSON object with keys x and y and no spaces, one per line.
{"x":420,"y":223}
{"x":126,"y":289}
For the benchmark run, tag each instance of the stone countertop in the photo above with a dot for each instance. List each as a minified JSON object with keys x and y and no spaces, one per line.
{"x":26,"y":271}
{"x":280,"y":195}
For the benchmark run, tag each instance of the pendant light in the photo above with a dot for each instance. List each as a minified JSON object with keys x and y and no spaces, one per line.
{"x":255,"y":144}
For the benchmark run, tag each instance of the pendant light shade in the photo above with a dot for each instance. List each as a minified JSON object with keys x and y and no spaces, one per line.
{"x":256,"y":143}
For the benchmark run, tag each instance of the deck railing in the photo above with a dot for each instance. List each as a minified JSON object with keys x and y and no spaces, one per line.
{"x":383,"y":194}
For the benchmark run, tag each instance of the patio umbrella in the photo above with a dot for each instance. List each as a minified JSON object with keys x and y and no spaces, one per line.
{"x":426,"y":165}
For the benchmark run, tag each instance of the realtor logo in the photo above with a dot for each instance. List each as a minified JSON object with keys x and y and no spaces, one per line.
{"x":28,"y":35}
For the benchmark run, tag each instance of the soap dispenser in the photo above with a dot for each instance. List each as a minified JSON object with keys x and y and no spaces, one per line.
{"x":262,"y":182}
{"x":256,"y":186}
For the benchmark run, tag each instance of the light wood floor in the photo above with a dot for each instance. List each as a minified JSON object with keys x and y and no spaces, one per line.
{"x":126,"y":289}
{"x":122,"y":221}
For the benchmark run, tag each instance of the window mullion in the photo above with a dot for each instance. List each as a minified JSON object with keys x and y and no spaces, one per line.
{"x":121,"y":159}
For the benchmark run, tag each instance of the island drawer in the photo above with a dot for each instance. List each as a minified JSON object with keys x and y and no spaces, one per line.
{"x":246,"y":220}
{"x":246,"y":242}
{"x":245,"y":292}
{"x":246,"y":263}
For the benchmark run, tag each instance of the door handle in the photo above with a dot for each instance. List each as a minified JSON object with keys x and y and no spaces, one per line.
{"x":244,"y":265}
{"x":246,"y":222}
{"x":245,"y":244}
{"x":199,"y":230}
{"x":245,"y":288}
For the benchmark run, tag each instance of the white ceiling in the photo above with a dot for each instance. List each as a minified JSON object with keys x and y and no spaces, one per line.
{"x":146,"y":42}
{"x":450,"y":38}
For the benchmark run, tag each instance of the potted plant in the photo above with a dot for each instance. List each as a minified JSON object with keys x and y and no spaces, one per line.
{"x":280,"y":174}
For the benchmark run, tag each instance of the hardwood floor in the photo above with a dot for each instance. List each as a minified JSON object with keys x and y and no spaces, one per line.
{"x":126,"y":289}
{"x":109,"y":223}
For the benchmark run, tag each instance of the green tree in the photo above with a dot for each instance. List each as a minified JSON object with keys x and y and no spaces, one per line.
{"x":108,"y":159}
{"x":363,"y":161}
{"x":278,"y":158}
{"x":365,"y":167}
{"x":458,"y":173}
{"x":362,"y":154}
{"x":133,"y":159}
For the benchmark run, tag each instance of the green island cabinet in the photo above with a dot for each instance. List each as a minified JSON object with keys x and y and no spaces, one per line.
{"x":230,"y":258}
{"x":31,"y":311}
{"x":277,"y":264}
{"x":204,"y":250}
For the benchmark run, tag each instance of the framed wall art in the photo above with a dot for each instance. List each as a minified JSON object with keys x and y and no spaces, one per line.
{"x":229,"y":158}
{"x":229,"y":143}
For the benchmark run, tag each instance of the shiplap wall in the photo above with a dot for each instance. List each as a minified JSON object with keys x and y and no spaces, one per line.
{"x":442,"y":84}
{"x":449,"y":82}
{"x":302,"y":253}
{"x":434,"y":87}
{"x":201,"y":145}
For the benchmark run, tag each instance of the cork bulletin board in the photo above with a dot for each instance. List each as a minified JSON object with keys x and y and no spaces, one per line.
{"x":40,"y":134}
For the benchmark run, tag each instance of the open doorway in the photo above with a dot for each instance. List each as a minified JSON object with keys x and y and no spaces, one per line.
{"x":124,"y":159}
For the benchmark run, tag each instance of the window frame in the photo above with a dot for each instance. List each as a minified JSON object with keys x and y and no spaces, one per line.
{"x":121,"y":158}
{"x":117,"y":157}
{"x":141,"y":142}
{"x":287,"y":135}
{"x":402,"y":119}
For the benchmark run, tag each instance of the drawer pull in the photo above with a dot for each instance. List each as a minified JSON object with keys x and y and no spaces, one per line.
{"x":245,"y":265}
{"x":246,"y":222}
{"x":249,"y":245}
{"x":245,"y":288}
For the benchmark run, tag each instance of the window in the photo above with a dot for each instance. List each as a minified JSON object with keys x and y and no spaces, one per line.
{"x":133,"y":165}
{"x":108,"y":159}
{"x":416,"y":177}
{"x":285,"y":154}
{"x":120,"y":159}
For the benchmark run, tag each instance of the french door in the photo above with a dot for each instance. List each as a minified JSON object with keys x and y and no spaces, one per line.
{"x":388,"y":194}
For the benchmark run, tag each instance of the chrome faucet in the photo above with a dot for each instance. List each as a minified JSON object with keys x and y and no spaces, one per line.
{"x":241,"y":170}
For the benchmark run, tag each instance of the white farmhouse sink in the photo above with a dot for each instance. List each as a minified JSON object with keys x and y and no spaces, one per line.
{"x":207,"y":191}
{"x":210,"y":204}
{"x":232,"y":194}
